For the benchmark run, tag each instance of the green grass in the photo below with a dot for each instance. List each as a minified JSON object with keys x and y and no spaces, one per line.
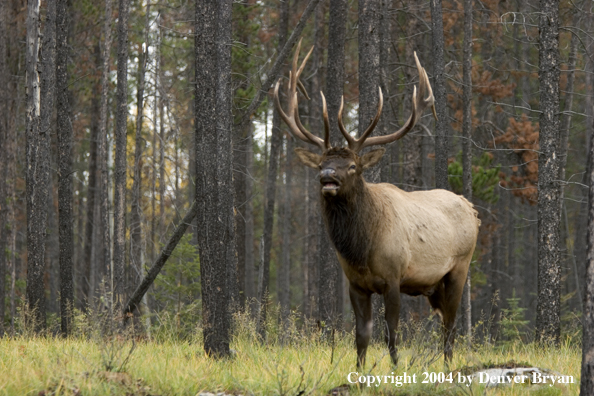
{"x":93,"y":365}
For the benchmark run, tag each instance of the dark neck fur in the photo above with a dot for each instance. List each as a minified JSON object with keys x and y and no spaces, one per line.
{"x":348,"y":221}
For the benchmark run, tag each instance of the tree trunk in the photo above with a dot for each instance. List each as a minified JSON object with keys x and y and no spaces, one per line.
{"x":412,"y":141}
{"x":439,"y":90}
{"x":47,"y":101}
{"x":369,"y":72}
{"x":270,"y":197}
{"x":4,"y":78}
{"x":225,"y":150}
{"x":330,"y":288}
{"x":65,"y":143}
{"x":284,"y":273}
{"x":564,"y":242}
{"x":250,"y":291}
{"x":548,"y":311}
{"x":119,"y":217}
{"x":587,"y":382}
{"x":102,"y":150}
{"x":14,"y":64}
{"x":36,"y":202}
{"x":467,"y":150}
{"x":213,"y":170}
{"x":105,"y":209}
{"x":369,"y":82}
{"x":580,"y":244}
{"x":52,"y":249}
{"x":136,"y":216}
{"x":89,"y":265}
{"x":240,"y":159}
{"x":312,"y":262}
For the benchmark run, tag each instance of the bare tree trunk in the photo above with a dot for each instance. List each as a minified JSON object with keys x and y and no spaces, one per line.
{"x":250,"y":291}
{"x":587,"y":381}
{"x":329,"y":273}
{"x":467,"y":150}
{"x":89,"y":265}
{"x":226,"y":202}
{"x":52,"y":251}
{"x":136,"y":215}
{"x":564,"y":242}
{"x":369,"y":72}
{"x":14,"y":65}
{"x":369,"y":82}
{"x":119,"y":232}
{"x":4,"y":114}
{"x":36,"y":214}
{"x":241,"y":173}
{"x":270,"y":197}
{"x":548,"y":310}
{"x":580,"y":244}
{"x":102,"y":150}
{"x":213,"y":169}
{"x":65,"y":142}
{"x":439,"y":89}
{"x":312,"y":262}
{"x":47,"y":101}
{"x":284,"y":272}
{"x":412,"y":142}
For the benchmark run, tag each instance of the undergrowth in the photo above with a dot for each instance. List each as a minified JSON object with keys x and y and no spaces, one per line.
{"x":295,"y":359}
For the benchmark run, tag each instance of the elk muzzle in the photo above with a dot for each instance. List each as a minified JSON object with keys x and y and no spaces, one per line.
{"x":330,"y":184}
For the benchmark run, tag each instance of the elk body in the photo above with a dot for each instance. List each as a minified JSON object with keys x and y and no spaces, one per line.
{"x":388,"y":241}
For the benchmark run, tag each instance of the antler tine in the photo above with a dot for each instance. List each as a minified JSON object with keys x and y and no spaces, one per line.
{"x":292,"y":120}
{"x":420,"y":102}
{"x":360,"y":143}
{"x":310,"y":136}
{"x":326,"y":123}
{"x":350,"y":140}
{"x":424,"y":85}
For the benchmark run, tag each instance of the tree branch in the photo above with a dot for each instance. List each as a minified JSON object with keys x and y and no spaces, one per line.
{"x":276,"y":68}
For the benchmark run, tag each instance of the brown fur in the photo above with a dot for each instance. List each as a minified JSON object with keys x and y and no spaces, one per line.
{"x":390,"y":241}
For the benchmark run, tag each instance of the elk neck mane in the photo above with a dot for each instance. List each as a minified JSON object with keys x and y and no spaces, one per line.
{"x":351,"y":220}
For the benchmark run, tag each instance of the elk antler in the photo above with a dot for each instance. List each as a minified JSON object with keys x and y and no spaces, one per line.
{"x":419,"y":104}
{"x":292,"y":119}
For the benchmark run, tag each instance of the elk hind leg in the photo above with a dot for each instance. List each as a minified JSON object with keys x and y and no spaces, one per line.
{"x":446,"y":299}
{"x":361,"y":302}
{"x":392,"y":304}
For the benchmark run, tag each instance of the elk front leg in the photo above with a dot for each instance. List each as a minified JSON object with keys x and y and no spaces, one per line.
{"x":361,"y":302}
{"x":392,"y":303}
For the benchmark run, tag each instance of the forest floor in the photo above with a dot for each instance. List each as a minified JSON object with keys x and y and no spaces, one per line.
{"x":295,"y":364}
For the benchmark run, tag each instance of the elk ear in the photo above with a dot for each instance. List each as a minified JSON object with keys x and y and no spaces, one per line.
{"x":308,"y":158}
{"x":372,"y":158}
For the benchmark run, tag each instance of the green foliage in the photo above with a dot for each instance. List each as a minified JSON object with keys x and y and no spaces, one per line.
{"x":244,"y":62}
{"x":177,"y":289}
{"x":485,"y":176}
{"x":513,"y":323}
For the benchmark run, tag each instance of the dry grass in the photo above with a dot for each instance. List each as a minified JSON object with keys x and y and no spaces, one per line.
{"x":297,"y":364}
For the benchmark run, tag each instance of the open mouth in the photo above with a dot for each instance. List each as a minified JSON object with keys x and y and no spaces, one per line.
{"x":330,"y":186}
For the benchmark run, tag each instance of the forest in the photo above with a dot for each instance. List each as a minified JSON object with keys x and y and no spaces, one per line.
{"x":150,"y":187}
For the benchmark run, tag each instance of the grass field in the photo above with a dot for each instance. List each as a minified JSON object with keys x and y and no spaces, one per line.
{"x":297,"y":364}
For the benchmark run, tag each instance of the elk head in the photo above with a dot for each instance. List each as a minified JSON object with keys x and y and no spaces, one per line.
{"x":341,"y":168}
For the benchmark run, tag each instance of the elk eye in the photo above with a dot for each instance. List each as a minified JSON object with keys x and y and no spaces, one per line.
{"x":353,"y":167}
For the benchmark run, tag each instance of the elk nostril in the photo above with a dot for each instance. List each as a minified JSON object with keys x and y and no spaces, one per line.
{"x":327,"y":172}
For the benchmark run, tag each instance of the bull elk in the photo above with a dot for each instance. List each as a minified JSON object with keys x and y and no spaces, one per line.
{"x":388,"y":241}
